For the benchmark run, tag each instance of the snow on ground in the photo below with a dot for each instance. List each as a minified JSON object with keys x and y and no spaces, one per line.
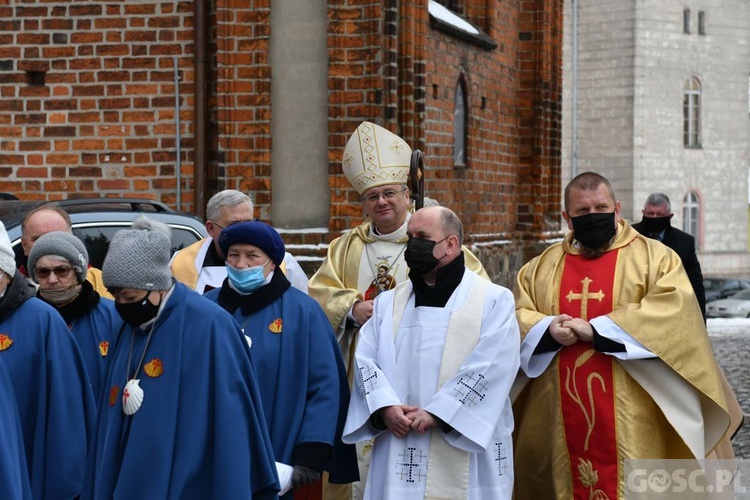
{"x":728,"y":326}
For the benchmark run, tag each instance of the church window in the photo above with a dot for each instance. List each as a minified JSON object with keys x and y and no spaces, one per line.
{"x":460,"y":120}
{"x":690,"y":214}
{"x":454,"y":5}
{"x":701,"y":22}
{"x":686,"y":21}
{"x":692,"y":113}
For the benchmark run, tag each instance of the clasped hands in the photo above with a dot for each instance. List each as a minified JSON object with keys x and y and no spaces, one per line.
{"x":568,"y":330}
{"x":400,"y":419}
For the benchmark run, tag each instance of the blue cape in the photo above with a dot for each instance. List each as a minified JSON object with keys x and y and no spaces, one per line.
{"x":14,"y":476}
{"x":55,"y":401}
{"x":199,"y":433}
{"x":302,"y":379}
{"x":99,"y":325}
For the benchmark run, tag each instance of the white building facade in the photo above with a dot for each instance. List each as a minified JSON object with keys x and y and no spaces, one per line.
{"x":657,"y":101}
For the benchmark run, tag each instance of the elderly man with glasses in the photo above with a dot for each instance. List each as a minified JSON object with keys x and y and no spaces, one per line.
{"x":376,"y":163}
{"x":201,"y":265}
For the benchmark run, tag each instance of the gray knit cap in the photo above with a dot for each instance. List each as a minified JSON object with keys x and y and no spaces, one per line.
{"x":139,"y":257}
{"x":60,"y":244}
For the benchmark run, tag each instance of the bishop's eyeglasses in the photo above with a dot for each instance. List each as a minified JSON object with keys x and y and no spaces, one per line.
{"x":387,"y":195}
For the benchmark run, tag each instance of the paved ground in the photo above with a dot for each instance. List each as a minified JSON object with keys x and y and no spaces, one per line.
{"x":731,"y":343}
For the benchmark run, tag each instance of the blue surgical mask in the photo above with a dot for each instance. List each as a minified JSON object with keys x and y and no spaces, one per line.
{"x":247,"y":280}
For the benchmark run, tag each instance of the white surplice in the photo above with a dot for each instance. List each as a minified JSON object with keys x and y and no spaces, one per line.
{"x":473,"y":400}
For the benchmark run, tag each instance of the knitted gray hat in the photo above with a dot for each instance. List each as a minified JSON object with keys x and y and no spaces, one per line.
{"x":60,"y":244}
{"x":139,"y":257}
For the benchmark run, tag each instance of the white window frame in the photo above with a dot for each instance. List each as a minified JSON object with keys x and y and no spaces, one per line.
{"x":691,"y":104}
{"x":691,"y":207}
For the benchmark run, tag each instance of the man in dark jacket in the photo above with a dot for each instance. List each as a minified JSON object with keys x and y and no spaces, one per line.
{"x":657,"y":213}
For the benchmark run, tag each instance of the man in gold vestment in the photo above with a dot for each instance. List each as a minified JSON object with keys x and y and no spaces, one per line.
{"x":376,"y":163}
{"x":615,"y":359}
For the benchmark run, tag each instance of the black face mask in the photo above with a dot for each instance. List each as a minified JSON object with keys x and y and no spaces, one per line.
{"x":594,"y":230}
{"x":138,"y":312}
{"x":655,"y":225}
{"x":419,"y":256}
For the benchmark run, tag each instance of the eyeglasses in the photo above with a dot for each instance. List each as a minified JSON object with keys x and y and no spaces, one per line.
{"x":387,"y":195}
{"x":60,"y":271}
{"x":231,"y":223}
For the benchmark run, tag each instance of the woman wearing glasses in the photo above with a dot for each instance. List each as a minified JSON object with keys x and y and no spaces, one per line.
{"x":58,"y":262}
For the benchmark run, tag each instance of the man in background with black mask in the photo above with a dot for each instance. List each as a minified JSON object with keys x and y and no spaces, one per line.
{"x":657,"y":213}
{"x":615,"y":357}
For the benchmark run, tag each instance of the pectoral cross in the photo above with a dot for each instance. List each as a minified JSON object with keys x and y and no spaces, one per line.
{"x":584,"y":297}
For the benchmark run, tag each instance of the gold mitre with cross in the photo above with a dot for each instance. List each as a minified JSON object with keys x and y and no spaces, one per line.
{"x":375,"y":156}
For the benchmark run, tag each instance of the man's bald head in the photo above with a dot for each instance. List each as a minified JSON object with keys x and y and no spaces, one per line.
{"x":40,"y":221}
{"x":441,"y":225}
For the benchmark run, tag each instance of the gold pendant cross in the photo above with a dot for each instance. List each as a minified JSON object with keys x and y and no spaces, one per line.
{"x":584,"y":297}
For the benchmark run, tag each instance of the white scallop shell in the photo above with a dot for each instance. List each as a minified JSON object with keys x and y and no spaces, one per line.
{"x":132,"y":397}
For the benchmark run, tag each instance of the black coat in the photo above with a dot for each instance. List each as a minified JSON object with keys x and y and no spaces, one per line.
{"x":684,"y":245}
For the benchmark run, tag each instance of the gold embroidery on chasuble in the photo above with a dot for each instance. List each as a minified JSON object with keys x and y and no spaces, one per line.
{"x":587,"y":382}
{"x":381,"y":266}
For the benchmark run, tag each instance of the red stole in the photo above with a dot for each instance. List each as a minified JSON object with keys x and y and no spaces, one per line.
{"x":586,"y":380}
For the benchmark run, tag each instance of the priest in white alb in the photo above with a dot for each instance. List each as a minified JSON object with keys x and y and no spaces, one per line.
{"x":434,"y":368}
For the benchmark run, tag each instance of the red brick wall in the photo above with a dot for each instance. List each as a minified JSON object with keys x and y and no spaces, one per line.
{"x":104,"y":122}
{"x":539,"y":107}
{"x":362,"y":85}
{"x":484,"y":192}
{"x":241,"y":101}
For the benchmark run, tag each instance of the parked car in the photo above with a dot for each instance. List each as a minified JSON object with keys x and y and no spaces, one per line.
{"x":722,"y":287}
{"x":735,"y":306}
{"x":96,"y":220}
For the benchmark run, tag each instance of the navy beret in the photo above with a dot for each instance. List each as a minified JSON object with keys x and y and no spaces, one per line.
{"x":255,"y":233}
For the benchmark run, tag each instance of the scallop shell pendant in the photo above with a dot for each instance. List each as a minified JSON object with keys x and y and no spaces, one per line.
{"x":132,"y":397}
